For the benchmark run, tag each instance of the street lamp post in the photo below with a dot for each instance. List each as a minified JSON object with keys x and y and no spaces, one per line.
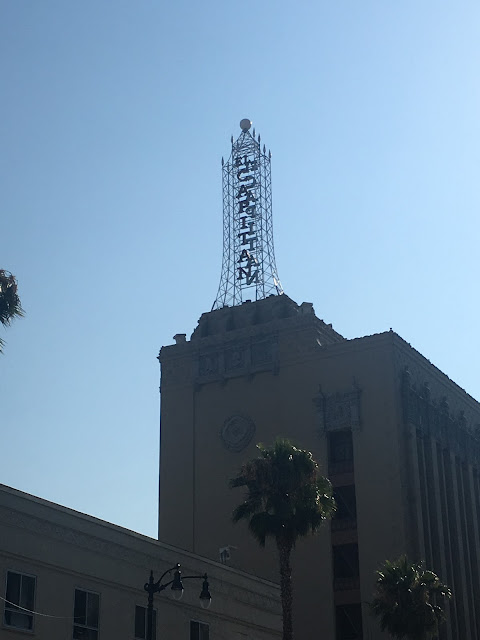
{"x":152,"y":587}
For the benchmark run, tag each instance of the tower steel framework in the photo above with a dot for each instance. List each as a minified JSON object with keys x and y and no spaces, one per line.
{"x":248,"y":265}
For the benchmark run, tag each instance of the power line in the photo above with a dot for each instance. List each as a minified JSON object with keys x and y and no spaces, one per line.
{"x":36,"y":613}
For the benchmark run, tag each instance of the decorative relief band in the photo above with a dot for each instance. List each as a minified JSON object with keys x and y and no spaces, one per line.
{"x":235,"y":358}
{"x":338,"y":411}
{"x":433,"y":417}
{"x":243,"y":357}
{"x":208,"y":364}
{"x":262,"y":352}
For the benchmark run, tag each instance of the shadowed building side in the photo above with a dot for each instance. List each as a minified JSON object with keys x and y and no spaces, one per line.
{"x":385,"y":425}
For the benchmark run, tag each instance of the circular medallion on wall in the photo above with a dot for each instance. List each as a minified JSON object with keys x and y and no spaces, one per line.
{"x":237,"y":432}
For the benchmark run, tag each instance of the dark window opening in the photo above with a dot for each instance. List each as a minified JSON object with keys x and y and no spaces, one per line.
{"x":346,"y":514}
{"x":340,"y":452}
{"x":141,"y":623}
{"x":86,"y":612}
{"x":20,"y":595}
{"x":349,"y":622}
{"x":345,"y":567}
{"x":199,"y":630}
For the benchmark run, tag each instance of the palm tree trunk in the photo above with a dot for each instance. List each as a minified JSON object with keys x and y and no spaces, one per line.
{"x":284,"y":551}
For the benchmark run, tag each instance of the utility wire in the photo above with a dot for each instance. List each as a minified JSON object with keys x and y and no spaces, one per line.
{"x":36,"y":613}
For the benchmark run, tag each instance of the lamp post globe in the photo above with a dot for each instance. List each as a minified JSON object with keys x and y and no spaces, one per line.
{"x":176,"y":587}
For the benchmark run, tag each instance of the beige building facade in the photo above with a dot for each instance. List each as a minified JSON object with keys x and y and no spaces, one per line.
{"x":398,"y":439}
{"x":68,"y":575}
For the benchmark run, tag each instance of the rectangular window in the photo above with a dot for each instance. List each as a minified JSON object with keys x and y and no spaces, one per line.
{"x":340,"y":452}
{"x":346,"y":514}
{"x":345,"y":567}
{"x":20,"y":600}
{"x":199,"y":630}
{"x":86,"y":610}
{"x":349,"y":622}
{"x":141,"y":623}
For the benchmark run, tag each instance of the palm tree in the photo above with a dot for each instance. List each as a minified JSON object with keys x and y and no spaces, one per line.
{"x":407,"y":599}
{"x":286,"y":499}
{"x":10,"y":306}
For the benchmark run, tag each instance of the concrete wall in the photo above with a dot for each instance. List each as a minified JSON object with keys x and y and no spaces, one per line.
{"x":67,"y":550}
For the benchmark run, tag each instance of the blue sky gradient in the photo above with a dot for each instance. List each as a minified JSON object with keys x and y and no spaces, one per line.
{"x":115,"y":116}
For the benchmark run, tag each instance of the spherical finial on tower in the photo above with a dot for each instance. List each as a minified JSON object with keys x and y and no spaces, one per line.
{"x":245,"y":124}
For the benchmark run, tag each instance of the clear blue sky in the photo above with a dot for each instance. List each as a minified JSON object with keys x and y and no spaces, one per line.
{"x":115,"y":115}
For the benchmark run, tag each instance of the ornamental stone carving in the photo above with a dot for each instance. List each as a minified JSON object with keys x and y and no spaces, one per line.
{"x":338,"y":411}
{"x":433,"y":417}
{"x":208,"y":364}
{"x":237,"y":358}
{"x":262,"y":352}
{"x":237,"y":433}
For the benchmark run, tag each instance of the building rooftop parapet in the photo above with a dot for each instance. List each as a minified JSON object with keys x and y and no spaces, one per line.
{"x":84,"y":531}
{"x":262,"y":313}
{"x":424,"y":378}
{"x":422,"y":368}
{"x":367,"y":342}
{"x":250,"y":318}
{"x":245,"y":340}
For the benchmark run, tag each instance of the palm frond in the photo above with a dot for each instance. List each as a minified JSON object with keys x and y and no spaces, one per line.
{"x":285,"y":496}
{"x":10,"y":306}
{"x":261,"y":524}
{"x":239,"y":481}
{"x":245,"y":510}
{"x":406,"y":600}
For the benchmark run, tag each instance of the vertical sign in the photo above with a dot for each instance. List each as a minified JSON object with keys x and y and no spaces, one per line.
{"x":246,"y":214}
{"x":248,"y":265}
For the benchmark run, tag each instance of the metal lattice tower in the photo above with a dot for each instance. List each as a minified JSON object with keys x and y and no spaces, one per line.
{"x":248,"y":265}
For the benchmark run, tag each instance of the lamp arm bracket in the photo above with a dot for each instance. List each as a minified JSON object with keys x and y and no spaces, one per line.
{"x":202,"y":577}
{"x":175,"y":568}
{"x":160,"y":587}
{"x":156,"y":587}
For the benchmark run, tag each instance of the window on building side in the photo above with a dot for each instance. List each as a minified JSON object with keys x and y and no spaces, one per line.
{"x":86,"y":609}
{"x":346,"y":514}
{"x":345,"y":567}
{"x":141,"y":623}
{"x":340,"y":452}
{"x":199,"y":630}
{"x":19,"y":595}
{"x":349,"y":622}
